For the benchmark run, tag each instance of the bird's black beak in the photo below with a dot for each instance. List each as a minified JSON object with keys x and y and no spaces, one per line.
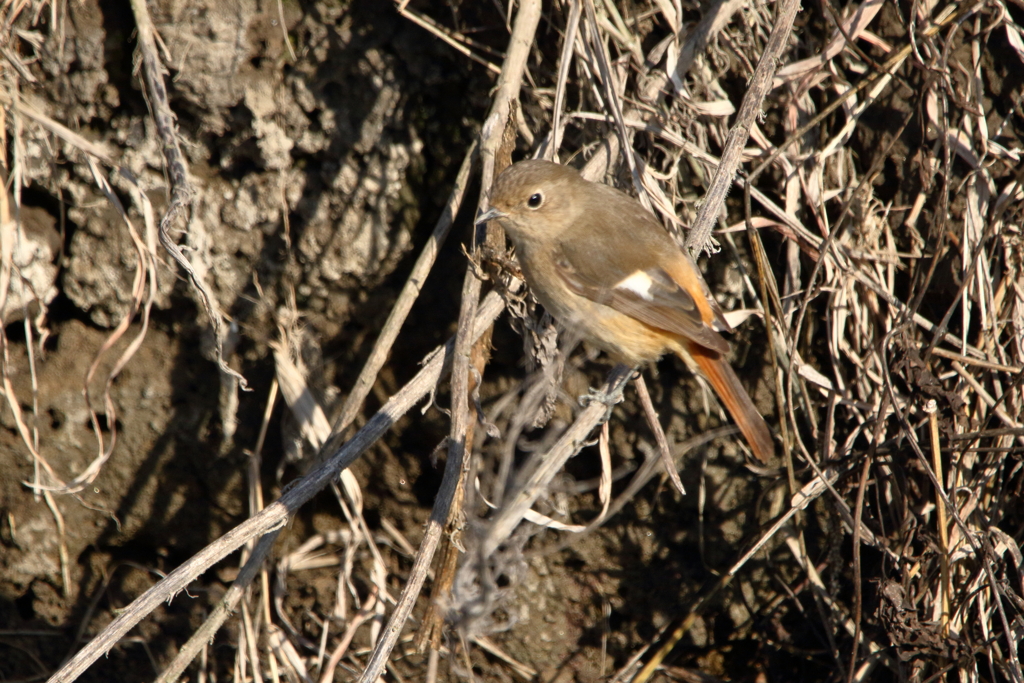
{"x":490,"y":215}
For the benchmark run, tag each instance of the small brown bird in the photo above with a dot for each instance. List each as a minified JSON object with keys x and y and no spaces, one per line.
{"x":603,"y":266}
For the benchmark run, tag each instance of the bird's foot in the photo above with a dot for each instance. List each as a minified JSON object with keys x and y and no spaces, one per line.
{"x":611,"y":393}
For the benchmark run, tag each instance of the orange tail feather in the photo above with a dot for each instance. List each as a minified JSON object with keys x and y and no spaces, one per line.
{"x":736,"y":399}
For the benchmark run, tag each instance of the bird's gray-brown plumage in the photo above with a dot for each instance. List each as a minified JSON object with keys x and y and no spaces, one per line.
{"x":603,"y":266}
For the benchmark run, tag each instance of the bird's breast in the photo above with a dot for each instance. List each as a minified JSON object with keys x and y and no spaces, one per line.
{"x":625,"y":338}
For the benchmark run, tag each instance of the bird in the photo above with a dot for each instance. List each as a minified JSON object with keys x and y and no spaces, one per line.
{"x":604,"y":267}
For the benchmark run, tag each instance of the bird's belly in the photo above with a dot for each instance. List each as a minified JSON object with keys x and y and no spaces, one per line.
{"x":624,"y":338}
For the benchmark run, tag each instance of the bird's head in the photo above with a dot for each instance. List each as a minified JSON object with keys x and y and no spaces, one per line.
{"x":535,"y":199}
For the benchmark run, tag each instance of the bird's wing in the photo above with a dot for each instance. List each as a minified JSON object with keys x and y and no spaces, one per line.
{"x":649,"y":295}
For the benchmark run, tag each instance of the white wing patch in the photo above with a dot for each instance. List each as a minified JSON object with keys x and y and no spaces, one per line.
{"x":639,"y":283}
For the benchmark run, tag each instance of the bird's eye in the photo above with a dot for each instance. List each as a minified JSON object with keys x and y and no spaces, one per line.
{"x":535,"y":200}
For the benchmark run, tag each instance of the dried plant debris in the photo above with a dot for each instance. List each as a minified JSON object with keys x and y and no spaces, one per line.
{"x":289,"y":156}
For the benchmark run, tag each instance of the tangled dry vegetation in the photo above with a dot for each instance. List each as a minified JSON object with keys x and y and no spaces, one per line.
{"x":869,"y":250}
